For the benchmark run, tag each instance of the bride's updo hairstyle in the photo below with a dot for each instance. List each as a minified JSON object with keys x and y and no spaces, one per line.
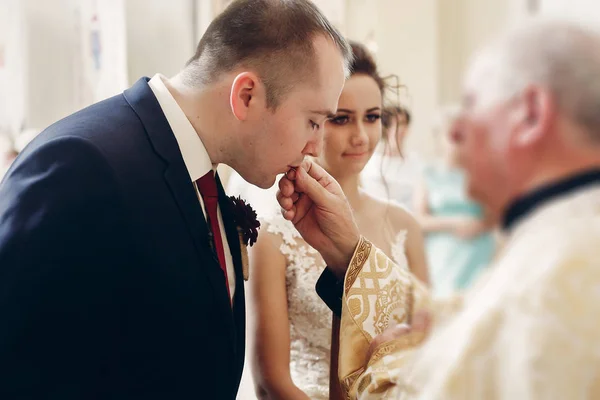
{"x":364,"y":64}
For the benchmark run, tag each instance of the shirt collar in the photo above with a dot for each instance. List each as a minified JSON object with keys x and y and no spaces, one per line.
{"x":192,"y":149}
{"x":526,"y":204}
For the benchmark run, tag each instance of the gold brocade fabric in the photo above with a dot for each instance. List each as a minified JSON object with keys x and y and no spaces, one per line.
{"x":527,"y":330}
{"x":377,"y":294}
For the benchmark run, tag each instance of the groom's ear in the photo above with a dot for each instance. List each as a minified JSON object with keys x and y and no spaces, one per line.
{"x":246,"y":93}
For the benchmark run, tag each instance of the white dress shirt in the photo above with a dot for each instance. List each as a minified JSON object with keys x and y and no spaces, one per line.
{"x":194,"y":155}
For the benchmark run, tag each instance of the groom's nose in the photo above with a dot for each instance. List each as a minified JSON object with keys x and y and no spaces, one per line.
{"x":313,"y":147}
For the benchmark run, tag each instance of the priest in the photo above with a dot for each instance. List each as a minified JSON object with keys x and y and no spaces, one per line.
{"x":529,"y":138}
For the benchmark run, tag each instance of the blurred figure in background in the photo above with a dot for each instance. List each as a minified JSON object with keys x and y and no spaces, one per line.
{"x":6,"y":160}
{"x":10,"y":147}
{"x":458,"y":240}
{"x":393,"y":172}
{"x":6,"y":148}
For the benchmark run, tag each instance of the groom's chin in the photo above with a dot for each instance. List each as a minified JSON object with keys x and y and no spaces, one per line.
{"x":263,"y":182}
{"x":266,"y":183}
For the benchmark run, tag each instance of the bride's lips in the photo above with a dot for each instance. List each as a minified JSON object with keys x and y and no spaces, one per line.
{"x":355,"y":156}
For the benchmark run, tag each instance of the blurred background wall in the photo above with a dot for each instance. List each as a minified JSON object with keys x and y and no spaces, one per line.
{"x":57,"y":56}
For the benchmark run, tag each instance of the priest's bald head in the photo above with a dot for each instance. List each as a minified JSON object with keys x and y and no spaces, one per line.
{"x":531,"y":111}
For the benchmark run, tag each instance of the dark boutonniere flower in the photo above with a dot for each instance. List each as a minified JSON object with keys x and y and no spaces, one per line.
{"x":247,"y":225}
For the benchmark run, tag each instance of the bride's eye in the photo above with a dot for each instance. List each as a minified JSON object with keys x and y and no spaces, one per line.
{"x":314,"y":125}
{"x":373,"y":117}
{"x":340,"y":120}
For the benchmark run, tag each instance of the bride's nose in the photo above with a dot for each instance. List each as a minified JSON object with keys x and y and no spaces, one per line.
{"x":359,"y":135}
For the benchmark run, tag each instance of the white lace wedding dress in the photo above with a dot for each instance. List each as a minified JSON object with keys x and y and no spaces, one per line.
{"x":310,"y":318}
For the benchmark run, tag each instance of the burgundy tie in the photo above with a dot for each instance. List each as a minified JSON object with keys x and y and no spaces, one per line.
{"x":207,"y":185}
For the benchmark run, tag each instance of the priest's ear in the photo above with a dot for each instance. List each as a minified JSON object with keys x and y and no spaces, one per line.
{"x":536,"y":111}
{"x":247,"y":95}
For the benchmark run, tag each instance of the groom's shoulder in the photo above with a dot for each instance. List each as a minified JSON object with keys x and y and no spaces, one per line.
{"x":65,"y":156}
{"x":82,"y":147}
{"x":108,"y":131}
{"x":60,"y":175}
{"x":100,"y":122}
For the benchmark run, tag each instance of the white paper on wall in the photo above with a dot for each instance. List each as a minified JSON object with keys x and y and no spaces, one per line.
{"x":4,"y":18}
{"x":103,"y":50}
{"x":12,"y":69}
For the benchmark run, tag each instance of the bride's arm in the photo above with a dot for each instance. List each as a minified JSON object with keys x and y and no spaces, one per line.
{"x":415,"y":250}
{"x":269,"y":325}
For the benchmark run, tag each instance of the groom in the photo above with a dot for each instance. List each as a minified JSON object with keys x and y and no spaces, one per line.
{"x":120,"y":266}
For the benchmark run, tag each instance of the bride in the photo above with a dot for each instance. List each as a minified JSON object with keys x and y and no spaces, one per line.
{"x":290,"y":325}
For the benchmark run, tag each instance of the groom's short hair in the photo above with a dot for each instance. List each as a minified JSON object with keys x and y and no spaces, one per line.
{"x":274,"y":38}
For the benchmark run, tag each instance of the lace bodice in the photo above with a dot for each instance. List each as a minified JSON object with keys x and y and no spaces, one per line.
{"x":310,"y":318}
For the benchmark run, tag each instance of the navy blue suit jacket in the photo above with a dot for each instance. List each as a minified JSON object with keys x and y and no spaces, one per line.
{"x":109,"y":288}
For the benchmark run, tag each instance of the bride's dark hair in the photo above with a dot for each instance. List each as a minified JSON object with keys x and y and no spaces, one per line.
{"x":389,"y":114}
{"x":364,"y":63}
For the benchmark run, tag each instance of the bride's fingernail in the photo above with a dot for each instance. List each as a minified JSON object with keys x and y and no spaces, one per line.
{"x":291,"y":174}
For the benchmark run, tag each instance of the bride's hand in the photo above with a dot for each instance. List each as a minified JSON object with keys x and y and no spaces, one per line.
{"x":317,"y":206}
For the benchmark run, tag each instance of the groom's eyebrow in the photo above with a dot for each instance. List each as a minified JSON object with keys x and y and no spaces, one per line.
{"x":326,"y":113}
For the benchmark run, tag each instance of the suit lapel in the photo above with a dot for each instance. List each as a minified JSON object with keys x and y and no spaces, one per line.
{"x":141,"y":98}
{"x":231,"y":231}
{"x":239,"y":301}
